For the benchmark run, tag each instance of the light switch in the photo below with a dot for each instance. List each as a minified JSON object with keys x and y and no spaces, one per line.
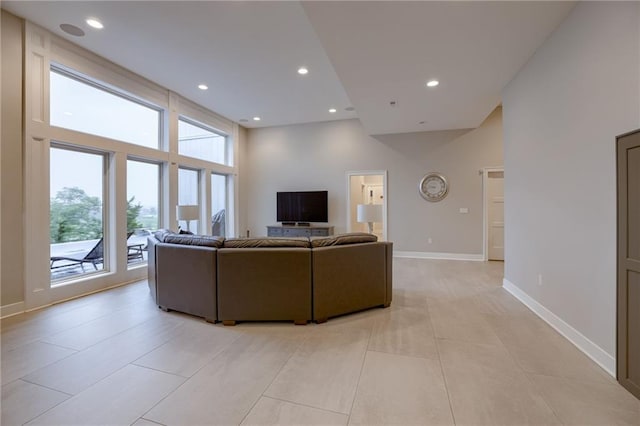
{"x":464,"y":210}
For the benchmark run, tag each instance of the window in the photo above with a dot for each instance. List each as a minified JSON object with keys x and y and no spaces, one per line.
{"x":188,"y":190}
{"x":80,"y":106}
{"x":218,"y":204}
{"x":198,"y":142}
{"x":77,"y":224}
{"x":143,"y":195}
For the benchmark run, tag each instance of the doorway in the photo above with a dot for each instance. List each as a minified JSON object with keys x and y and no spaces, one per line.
{"x":493,"y":195}
{"x":367,"y":187}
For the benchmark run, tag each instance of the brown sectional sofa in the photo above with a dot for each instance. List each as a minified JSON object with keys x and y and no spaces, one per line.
{"x":267,"y":279}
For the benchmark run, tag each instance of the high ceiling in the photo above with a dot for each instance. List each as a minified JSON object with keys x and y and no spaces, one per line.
{"x":364,"y":55}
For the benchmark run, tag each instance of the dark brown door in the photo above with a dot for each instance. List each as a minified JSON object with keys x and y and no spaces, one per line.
{"x":628,"y":362}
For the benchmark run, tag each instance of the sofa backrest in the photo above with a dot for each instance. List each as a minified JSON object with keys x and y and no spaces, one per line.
{"x":265,"y":242}
{"x":343,"y":239}
{"x":165,"y":236}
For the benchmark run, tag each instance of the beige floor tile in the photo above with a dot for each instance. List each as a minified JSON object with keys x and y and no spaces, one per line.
{"x":488,"y":343}
{"x":405,"y":331}
{"x":522,"y":332}
{"x":539,"y":349}
{"x":196,"y":345}
{"x":145,"y":422}
{"x":324,"y":371}
{"x":40,"y":328}
{"x":486,"y":387}
{"x":498,"y":301}
{"x":223,"y":392}
{"x":582,"y":403}
{"x":22,"y":401}
{"x":460,"y":320}
{"x":120,"y":399}
{"x":400,"y":390}
{"x":470,"y":358}
{"x":81,"y":370}
{"x":92,"y":332}
{"x":28,"y":358}
{"x":269,"y":411}
{"x":360,"y":321}
{"x":406,"y":298}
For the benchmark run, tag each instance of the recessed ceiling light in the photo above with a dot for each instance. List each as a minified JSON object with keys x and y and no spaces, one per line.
{"x":332,"y":110}
{"x":432,"y":83}
{"x":203,"y":86}
{"x":422,"y":122}
{"x":67,"y":113}
{"x":349,"y":109}
{"x":303,"y":70}
{"x":72,"y":29}
{"x":94,"y":23}
{"x":256,"y":118}
{"x":243,"y":120}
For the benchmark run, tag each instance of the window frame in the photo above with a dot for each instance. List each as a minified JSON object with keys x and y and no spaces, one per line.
{"x":44,"y":51}
{"x":208,"y":128}
{"x":106,"y":241}
{"x":115,"y":91}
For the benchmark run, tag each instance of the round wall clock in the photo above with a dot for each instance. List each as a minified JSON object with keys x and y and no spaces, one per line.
{"x":433,"y":187}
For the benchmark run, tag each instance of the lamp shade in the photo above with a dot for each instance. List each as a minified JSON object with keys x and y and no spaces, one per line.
{"x":187,"y":212}
{"x":369,"y":213}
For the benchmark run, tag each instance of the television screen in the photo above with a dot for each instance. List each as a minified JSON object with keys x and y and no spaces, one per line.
{"x":302,"y":206}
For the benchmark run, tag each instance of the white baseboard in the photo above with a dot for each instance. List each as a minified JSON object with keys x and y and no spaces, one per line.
{"x":437,"y":255}
{"x":593,"y":351}
{"x":12,"y":309}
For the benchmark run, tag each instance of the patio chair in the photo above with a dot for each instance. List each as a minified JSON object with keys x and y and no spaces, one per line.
{"x":94,"y":257}
{"x":135,"y":251}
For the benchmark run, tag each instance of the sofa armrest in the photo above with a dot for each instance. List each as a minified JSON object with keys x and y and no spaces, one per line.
{"x":389,"y":257}
{"x":186,"y":279}
{"x":151,"y":267}
{"x":349,"y":278}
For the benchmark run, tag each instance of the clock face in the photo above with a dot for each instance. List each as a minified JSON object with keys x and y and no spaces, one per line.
{"x":433,"y":187}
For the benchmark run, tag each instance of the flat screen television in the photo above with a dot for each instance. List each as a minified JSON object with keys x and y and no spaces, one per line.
{"x":302,"y":207}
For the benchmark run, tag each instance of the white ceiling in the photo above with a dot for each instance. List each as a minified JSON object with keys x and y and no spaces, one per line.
{"x":360,"y":54}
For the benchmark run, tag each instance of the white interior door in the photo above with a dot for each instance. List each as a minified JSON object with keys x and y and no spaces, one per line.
{"x":495,"y":214}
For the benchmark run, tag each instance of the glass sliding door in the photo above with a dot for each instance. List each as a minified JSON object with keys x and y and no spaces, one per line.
{"x":188,"y":195}
{"x":77,"y":219}
{"x":218,"y":204}
{"x":143,"y":205}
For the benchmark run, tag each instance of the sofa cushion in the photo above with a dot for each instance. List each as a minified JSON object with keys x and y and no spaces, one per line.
{"x":342,"y":239}
{"x":266,"y":242}
{"x":194,"y":240}
{"x":166,"y":236}
{"x":160,"y":234}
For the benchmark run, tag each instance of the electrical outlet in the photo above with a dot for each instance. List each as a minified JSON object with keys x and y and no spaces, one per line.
{"x":429,"y":240}
{"x":540,"y":279}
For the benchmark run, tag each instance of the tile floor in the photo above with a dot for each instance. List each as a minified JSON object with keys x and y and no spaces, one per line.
{"x":453,"y":348}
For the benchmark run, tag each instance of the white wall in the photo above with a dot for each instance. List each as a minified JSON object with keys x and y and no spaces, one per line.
{"x":561,"y":115}
{"x":316,"y":157}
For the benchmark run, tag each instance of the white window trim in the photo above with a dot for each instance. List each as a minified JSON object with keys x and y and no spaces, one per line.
{"x":44,"y":49}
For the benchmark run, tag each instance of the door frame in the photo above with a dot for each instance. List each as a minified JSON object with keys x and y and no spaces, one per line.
{"x":348,"y":175}
{"x":485,"y":209}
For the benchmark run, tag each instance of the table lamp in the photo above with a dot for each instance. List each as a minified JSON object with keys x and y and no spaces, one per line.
{"x":369,"y":213}
{"x":187,"y":213}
